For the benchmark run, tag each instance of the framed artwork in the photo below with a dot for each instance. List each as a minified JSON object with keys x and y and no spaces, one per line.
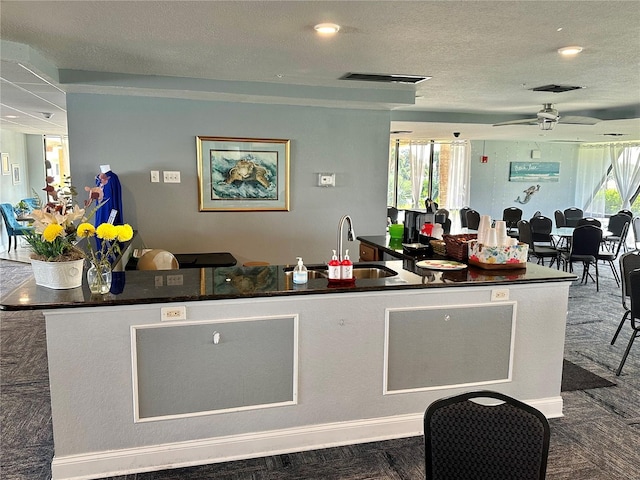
{"x":242,"y":174}
{"x":534,"y":172}
{"x":15,"y":172}
{"x":6,"y":169}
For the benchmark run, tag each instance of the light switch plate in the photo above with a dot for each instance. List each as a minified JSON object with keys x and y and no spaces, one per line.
{"x":155,"y":176}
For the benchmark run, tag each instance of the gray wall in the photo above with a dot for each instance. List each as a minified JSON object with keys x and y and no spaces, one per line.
{"x":138,"y":134}
{"x":492,"y":192}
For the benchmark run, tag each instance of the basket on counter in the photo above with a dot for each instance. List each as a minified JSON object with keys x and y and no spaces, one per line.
{"x":439,"y":247}
{"x":457,"y":245}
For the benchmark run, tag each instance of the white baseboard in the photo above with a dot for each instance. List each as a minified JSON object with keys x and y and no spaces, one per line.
{"x":252,"y":445}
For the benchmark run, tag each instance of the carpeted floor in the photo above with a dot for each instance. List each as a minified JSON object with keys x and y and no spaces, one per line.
{"x":597,"y":439}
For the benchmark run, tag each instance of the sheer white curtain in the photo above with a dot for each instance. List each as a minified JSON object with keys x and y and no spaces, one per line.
{"x":458,"y":181}
{"x":459,"y":176}
{"x":593,"y":162}
{"x":419,"y":159}
{"x":626,"y":170}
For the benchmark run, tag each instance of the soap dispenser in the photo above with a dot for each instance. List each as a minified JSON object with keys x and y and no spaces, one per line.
{"x":300,"y":274}
{"x":334,"y":267}
{"x":346,"y":267}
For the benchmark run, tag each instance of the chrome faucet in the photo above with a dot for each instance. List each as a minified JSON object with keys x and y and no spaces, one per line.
{"x":351,"y":236}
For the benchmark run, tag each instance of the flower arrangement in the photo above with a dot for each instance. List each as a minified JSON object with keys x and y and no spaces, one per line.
{"x":107,"y":238}
{"x":53,"y":238}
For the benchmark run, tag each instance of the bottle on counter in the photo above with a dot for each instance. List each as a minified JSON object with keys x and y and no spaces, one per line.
{"x":334,"y":267}
{"x":346,"y":267}
{"x":300,"y":274}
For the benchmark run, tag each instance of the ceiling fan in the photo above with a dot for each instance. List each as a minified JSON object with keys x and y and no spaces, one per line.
{"x":547,"y":118}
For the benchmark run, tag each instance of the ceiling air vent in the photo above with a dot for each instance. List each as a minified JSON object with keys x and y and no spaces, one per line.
{"x":555,"y":88}
{"x":372,"y":77}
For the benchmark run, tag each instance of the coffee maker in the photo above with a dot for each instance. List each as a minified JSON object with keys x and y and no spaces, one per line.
{"x":413,"y":221}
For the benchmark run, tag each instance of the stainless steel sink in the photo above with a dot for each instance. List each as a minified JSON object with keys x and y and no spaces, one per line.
{"x":311,"y":274}
{"x":359,"y":271}
{"x":372,"y":271}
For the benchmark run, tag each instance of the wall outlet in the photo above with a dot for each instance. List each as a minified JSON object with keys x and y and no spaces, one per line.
{"x":499,"y":294}
{"x":173,"y":313}
{"x":326,"y":179}
{"x":155,"y":176}
{"x":171,"y":176}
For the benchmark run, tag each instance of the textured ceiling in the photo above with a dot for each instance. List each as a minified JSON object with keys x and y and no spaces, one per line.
{"x":484,"y":56}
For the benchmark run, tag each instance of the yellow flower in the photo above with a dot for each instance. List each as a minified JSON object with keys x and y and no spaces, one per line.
{"x":106,"y":231}
{"x":86,"y":230}
{"x":124,"y":232}
{"x":52,"y":231}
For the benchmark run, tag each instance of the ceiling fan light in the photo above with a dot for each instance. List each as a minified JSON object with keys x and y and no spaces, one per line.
{"x":572,"y":50}
{"x":546,"y":124}
{"x":327,"y":28}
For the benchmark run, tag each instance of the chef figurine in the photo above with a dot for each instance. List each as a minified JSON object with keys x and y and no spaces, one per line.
{"x":111,"y":196}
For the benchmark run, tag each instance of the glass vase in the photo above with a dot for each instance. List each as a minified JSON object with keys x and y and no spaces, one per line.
{"x":99,"y":278}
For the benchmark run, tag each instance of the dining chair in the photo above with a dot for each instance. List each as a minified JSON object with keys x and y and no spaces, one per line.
{"x":157,"y":259}
{"x":609,"y":256}
{"x":32,"y":202}
{"x":539,"y":251}
{"x":572,"y":215}
{"x":498,"y":439}
{"x":585,"y":246}
{"x":629,"y":262}
{"x":635,"y":224}
{"x":463,"y":216}
{"x":589,"y":221}
{"x":626,"y":212}
{"x":392,"y":214}
{"x":559,"y":218}
{"x":14,"y":228}
{"x":541,"y":227}
{"x":616,"y":225}
{"x":473,"y":220}
{"x":634,"y":314}
{"x":512,"y":215}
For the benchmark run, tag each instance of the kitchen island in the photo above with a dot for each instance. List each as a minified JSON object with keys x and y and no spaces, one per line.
{"x":186,"y":367}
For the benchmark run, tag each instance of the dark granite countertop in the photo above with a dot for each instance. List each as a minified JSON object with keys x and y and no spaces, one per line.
{"x":197,"y":284}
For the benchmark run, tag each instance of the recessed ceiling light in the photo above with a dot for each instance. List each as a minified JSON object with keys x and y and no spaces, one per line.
{"x":10,"y":116}
{"x":572,"y":50}
{"x":327,"y":28}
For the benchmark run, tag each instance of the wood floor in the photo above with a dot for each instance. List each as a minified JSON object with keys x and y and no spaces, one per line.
{"x":598,"y":438}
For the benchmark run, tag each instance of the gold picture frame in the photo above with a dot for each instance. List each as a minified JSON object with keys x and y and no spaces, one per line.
{"x":242,"y":174}
{"x":6,"y":166}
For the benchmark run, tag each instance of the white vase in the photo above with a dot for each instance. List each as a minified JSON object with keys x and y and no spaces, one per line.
{"x":58,"y":275}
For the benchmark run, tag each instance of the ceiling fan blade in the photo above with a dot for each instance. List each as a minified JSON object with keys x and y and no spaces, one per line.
{"x":526,"y":121}
{"x":578,"y":120}
{"x":549,"y":116}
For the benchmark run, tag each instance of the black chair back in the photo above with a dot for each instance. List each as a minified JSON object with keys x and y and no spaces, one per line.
{"x":560,"y":220}
{"x":629,"y":262}
{"x":463,"y":216}
{"x":473,"y":220}
{"x":617,"y":223}
{"x":464,"y":439}
{"x":392,"y":213}
{"x":572,"y":215}
{"x":524,"y":232}
{"x":586,"y":241}
{"x":589,"y":221}
{"x":541,"y":229}
{"x":627,"y":212}
{"x":634,"y":290}
{"x":512,"y":215}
